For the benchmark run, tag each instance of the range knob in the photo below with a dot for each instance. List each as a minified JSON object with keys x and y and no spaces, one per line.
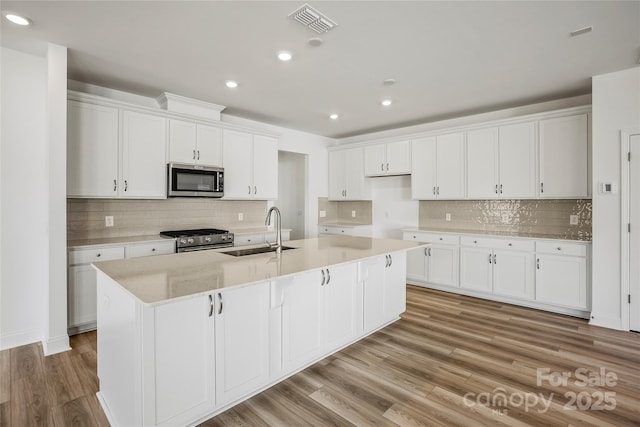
{"x":207,"y":239}
{"x":189,"y":240}
{"x":224,"y":237}
{"x":183,"y":241}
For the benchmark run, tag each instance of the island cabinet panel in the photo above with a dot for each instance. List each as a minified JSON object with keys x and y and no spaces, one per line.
{"x":184,"y":361}
{"x":241,"y":341}
{"x":341,"y":306}
{"x":384,"y":289}
{"x":302,"y":325}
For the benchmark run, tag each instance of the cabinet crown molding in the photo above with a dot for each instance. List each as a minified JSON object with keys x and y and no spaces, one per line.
{"x":195,"y":107}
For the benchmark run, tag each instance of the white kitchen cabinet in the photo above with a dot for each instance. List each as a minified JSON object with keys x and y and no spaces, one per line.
{"x":564,"y":157}
{"x":250,"y":165}
{"x":342,"y":302}
{"x":183,"y":361}
{"x":143,"y":156}
{"x":438,"y":167}
{"x":100,"y":163}
{"x":393,"y":158}
{"x":499,"y":266}
{"x":243,"y":239}
{"x":501,"y":162}
{"x":194,"y":143}
{"x":344,"y":230}
{"x":241,"y":341}
{"x":92,"y":150}
{"x":346,"y":175}
{"x":561,"y":274}
{"x":136,"y":250}
{"x":384,"y":289}
{"x":437,"y":263}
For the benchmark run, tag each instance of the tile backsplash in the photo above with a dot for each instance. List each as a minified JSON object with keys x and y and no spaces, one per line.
{"x":85,"y":217}
{"x":340,"y":212}
{"x":536,"y":217}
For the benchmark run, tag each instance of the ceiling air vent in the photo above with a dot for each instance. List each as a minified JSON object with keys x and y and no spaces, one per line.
{"x":310,"y":17}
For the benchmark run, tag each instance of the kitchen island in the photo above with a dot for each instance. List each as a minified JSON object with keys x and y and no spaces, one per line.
{"x":183,"y":337}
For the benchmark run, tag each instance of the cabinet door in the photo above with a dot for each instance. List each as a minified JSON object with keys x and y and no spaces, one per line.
{"x":208,"y":145}
{"x":450,"y":166}
{"x":302,"y":320}
{"x":184,"y":361}
{"x":417,"y":264}
{"x":82,"y":295}
{"x":395,"y":286}
{"x":92,"y":150}
{"x":182,"y":141}
{"x":357,"y":188}
{"x":513,"y":274}
{"x":144,"y":161}
{"x":337,"y":178}
{"x":482,"y":163}
{"x":375,"y":160}
{"x":423,"y":168}
{"x":563,"y":157}
{"x":476,"y":269}
{"x":398,"y":158}
{"x":340,"y":306}
{"x":372,"y":274}
{"x":238,"y":164}
{"x":562,"y":280}
{"x":517,"y":160}
{"x":265,"y":167}
{"x":443,"y":265}
{"x":241,"y":341}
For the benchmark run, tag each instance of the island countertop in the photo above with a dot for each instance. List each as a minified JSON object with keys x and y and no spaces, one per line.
{"x":163,"y":278}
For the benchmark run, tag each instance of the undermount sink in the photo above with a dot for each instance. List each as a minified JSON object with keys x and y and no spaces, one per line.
{"x":253,"y":251}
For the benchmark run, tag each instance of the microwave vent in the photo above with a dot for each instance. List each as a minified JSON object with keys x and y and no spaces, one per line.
{"x":312,"y":18}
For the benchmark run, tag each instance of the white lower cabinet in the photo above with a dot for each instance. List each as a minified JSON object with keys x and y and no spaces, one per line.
{"x":241,"y":341}
{"x":341,"y":306}
{"x":384,"y":289}
{"x":561,"y":275}
{"x":437,"y":263}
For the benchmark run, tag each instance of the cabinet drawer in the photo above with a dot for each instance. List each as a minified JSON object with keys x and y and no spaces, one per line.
{"x":335,"y":230}
{"x":447,"y":239}
{"x":480,"y":242}
{"x":516,"y":244}
{"x":150,"y":249}
{"x":248,"y":239}
{"x":85,"y":256}
{"x":562,"y":248}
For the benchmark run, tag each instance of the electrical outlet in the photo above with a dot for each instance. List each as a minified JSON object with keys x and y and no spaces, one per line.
{"x":447,"y":217}
{"x":573,"y":219}
{"x":240,"y":216}
{"x":353,"y":214}
{"x":108,"y":221}
{"x":323,"y":214}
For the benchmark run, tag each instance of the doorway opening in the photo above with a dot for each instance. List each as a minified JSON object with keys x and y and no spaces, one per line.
{"x":292,"y":194}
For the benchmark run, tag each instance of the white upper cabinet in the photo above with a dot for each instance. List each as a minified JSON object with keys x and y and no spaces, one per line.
{"x":144,"y":146}
{"x":102,"y":164}
{"x":501,"y":162}
{"x":564,"y":157}
{"x":346,"y":175}
{"x":393,"y":158}
{"x":250,"y":166}
{"x":92,"y":150}
{"x":438,"y":167}
{"x":194,"y":143}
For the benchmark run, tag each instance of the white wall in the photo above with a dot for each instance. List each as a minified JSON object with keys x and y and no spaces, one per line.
{"x":616,"y":107}
{"x":392,"y":206}
{"x":291,"y":192}
{"x":25,"y":198}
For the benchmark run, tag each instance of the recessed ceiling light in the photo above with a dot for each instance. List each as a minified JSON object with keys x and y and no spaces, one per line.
{"x":17,"y":19}
{"x":231,"y":84}
{"x":333,"y":116}
{"x":386,"y":102}
{"x":284,"y":56}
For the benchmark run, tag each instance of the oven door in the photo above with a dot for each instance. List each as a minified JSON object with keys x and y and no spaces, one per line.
{"x":195,"y":181}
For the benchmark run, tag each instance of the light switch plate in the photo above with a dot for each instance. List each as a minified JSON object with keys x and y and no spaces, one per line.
{"x":353,"y":214}
{"x":447,"y":217}
{"x":108,"y":221}
{"x":240,"y":216}
{"x":573,"y":219}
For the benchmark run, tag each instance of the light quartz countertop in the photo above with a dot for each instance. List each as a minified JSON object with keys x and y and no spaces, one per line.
{"x":158,"y":279}
{"x":522,"y":235}
{"x":115,"y":241}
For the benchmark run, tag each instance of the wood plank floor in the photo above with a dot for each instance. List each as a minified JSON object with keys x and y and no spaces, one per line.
{"x":412,"y":373}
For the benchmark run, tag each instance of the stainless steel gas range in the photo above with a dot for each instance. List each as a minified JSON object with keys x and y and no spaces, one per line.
{"x":200,"y":239}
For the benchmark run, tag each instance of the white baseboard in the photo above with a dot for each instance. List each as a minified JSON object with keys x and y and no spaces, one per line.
{"x":16,"y":339}
{"x":56,"y":345}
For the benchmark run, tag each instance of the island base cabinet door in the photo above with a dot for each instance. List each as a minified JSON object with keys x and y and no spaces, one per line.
{"x":395,"y":286}
{"x":184,"y":386}
{"x":241,"y":341}
{"x":476,"y":269}
{"x":341,"y":306}
{"x":384,"y":289}
{"x":562,"y":280}
{"x":82,"y":295}
{"x":513,"y":274}
{"x":302,"y":320}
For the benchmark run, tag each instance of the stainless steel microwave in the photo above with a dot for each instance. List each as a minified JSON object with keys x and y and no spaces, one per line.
{"x":195,"y":181}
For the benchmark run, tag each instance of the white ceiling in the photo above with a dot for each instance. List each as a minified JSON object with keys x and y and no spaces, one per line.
{"x":449,"y":58}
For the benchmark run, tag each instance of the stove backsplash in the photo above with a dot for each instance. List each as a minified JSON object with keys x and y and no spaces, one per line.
{"x":85,"y":217}
{"x":536,"y":217}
